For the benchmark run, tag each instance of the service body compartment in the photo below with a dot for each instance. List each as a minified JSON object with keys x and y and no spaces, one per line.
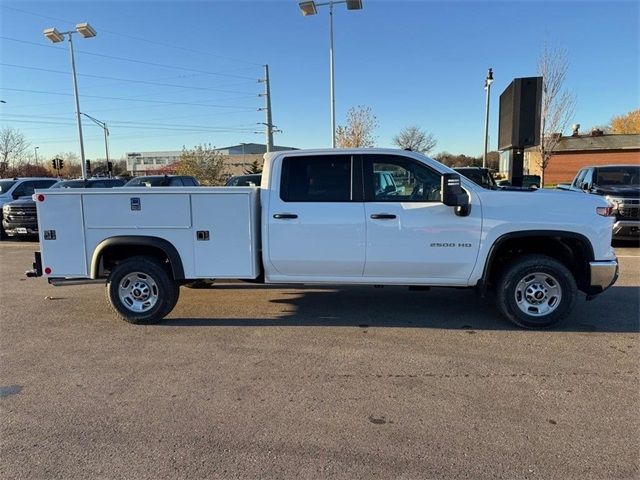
{"x":225,"y":226}
{"x":214,"y":230}
{"x":61,"y":233}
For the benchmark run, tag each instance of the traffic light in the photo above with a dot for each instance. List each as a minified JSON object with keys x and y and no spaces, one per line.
{"x":88,"y":163}
{"x":54,"y":163}
{"x":61,"y":163}
{"x":110,"y":167}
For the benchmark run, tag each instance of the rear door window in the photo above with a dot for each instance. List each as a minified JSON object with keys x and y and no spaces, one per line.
{"x":321,"y":178}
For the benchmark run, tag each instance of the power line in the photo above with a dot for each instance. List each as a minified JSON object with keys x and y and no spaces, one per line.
{"x":125,"y":80}
{"x":152,"y":42}
{"x":133,"y":60}
{"x":120,"y":98}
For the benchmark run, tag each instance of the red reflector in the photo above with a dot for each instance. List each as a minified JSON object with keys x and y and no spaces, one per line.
{"x":605,"y":211}
{"x":40,"y":197}
{"x":47,"y":270}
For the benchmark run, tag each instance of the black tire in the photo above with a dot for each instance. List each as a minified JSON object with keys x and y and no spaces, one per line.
{"x":153,"y":279}
{"x":2,"y":234}
{"x":525,"y":281}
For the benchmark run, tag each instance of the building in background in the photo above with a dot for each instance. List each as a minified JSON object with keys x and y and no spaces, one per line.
{"x":577,"y":151}
{"x":236,"y":157}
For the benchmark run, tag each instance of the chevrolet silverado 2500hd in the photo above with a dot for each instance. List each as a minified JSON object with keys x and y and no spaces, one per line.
{"x":318,"y":218}
{"x":618,"y":184}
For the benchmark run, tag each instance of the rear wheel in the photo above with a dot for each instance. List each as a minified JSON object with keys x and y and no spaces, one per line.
{"x":141,"y":290}
{"x":536,"y":291}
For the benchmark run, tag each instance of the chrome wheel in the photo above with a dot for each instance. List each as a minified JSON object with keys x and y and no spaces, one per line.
{"x":538,"y":294}
{"x":138,"y":292}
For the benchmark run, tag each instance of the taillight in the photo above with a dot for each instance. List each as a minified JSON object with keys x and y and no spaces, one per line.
{"x":47,"y":270}
{"x":605,"y":211}
{"x":40,"y":197}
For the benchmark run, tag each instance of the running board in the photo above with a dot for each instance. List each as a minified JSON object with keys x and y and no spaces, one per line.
{"x":62,"y":282}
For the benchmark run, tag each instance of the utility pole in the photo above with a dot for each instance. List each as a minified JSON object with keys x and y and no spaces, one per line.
{"x":487,"y":86}
{"x":268,"y":125}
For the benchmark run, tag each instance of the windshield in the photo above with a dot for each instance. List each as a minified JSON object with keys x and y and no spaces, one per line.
{"x":5,"y":185}
{"x":617,"y":176}
{"x":148,"y":182}
{"x":69,"y":184}
{"x":244,"y":181}
{"x":479,"y":176}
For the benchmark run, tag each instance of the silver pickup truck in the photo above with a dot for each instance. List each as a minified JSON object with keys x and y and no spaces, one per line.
{"x":620,"y":185}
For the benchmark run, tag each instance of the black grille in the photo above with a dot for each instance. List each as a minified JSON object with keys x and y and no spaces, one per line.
{"x":629,"y":211}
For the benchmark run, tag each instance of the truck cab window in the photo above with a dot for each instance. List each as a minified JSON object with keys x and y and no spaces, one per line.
{"x":397,"y":179}
{"x":316,"y":179}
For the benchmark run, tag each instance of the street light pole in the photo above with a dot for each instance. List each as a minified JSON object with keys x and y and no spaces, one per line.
{"x":487,"y":86}
{"x":103,"y":125}
{"x":55,"y":36}
{"x":310,"y":8}
{"x":332,"y":79}
{"x":78,"y":118}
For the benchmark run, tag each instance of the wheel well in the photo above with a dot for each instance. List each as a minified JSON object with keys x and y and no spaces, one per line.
{"x":574,"y":252}
{"x":114,"y":250}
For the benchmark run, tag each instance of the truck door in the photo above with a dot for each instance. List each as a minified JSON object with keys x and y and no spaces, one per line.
{"x":316,"y":224}
{"x":410,"y":233}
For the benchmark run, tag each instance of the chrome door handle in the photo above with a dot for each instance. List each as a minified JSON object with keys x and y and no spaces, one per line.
{"x":284,"y":216}
{"x":383,"y":216}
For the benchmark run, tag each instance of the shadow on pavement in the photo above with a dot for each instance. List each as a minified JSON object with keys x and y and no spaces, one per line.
{"x":394,"y":307}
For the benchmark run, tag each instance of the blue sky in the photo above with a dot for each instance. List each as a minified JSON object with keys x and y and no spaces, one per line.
{"x":180,"y":73}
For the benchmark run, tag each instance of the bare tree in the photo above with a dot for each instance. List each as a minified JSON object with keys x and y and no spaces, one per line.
{"x":13,"y":148}
{"x":358,"y":132}
{"x":558,"y":103}
{"x":415,"y":139}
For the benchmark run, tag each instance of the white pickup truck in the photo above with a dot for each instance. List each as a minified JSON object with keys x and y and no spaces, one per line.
{"x":322,"y":217}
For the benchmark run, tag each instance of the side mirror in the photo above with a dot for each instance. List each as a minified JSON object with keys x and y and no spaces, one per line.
{"x":389,"y":189}
{"x":585,"y":186}
{"x":452,"y":194}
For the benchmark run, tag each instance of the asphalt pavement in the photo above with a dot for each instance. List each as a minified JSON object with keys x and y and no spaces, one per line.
{"x":255,"y":381}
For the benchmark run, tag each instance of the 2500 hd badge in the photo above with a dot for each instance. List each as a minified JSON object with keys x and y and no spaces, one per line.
{"x":453,"y":245}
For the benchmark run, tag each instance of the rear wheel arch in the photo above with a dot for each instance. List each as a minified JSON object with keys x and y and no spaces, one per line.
{"x":112,"y":250}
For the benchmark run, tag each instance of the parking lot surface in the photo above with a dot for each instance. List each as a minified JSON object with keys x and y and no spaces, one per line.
{"x":254,"y":381}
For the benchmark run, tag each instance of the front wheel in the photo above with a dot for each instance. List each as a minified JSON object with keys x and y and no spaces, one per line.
{"x":536,"y":291}
{"x":141,"y":291}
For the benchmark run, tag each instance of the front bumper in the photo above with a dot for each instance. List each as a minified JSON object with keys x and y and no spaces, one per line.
{"x":603,"y":275}
{"x":13,"y":229}
{"x":626,"y":229}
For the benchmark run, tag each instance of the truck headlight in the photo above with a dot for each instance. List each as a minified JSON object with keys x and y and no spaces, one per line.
{"x":614,"y":202}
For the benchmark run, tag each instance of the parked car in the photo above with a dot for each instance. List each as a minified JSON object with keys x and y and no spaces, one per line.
{"x":317,"y":219}
{"x":12,"y":189}
{"x":252,"y":180}
{"x":620,"y":185}
{"x":479,"y":175}
{"x":528,"y":181}
{"x":163,"y":181}
{"x":90,"y":183}
{"x":19,"y":218}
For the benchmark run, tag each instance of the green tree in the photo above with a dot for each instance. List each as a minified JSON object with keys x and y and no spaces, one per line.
{"x":254,"y":168}
{"x":203,"y":162}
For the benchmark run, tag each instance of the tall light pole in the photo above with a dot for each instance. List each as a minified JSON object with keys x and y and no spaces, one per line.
{"x":55,"y":36}
{"x":106,"y":132}
{"x":310,"y":8}
{"x":487,"y":86}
